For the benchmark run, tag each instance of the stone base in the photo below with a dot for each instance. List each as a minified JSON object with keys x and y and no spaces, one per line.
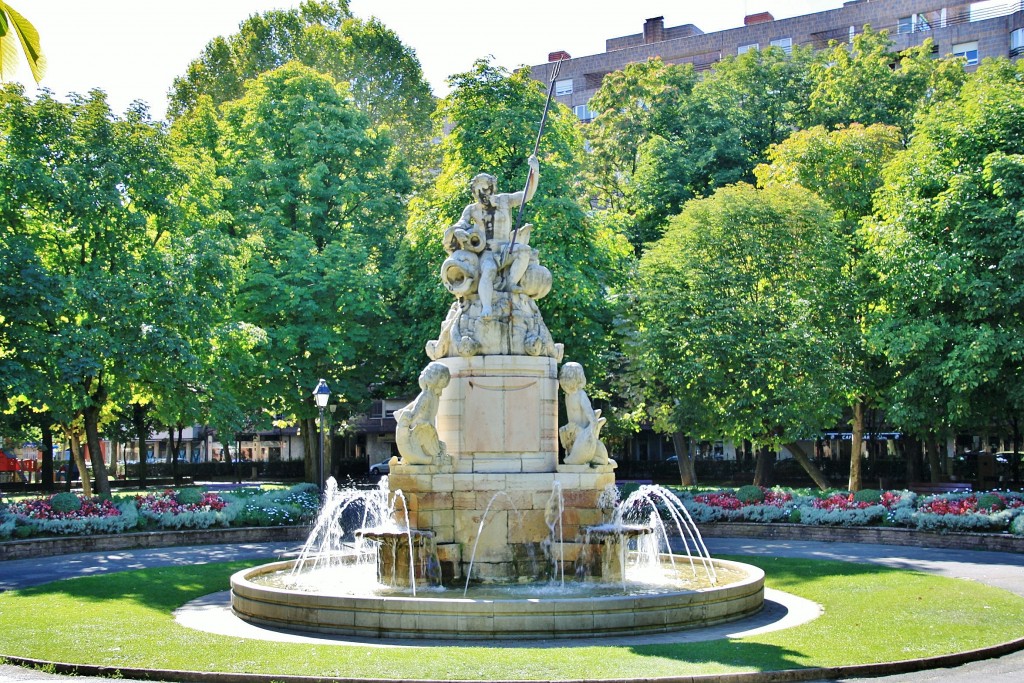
{"x":499,"y":414}
{"x":515,"y":509}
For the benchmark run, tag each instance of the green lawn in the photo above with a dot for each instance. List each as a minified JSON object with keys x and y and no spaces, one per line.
{"x":872,"y":614}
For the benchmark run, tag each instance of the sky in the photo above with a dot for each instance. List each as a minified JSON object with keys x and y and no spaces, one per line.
{"x":133,"y":49}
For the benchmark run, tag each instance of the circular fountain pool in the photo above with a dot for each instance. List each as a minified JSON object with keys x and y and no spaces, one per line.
{"x":501,"y":612}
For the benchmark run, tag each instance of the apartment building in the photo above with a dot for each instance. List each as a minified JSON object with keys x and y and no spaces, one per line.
{"x":973,"y":30}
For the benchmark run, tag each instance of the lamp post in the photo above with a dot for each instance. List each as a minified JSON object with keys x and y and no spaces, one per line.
{"x":321,"y":395}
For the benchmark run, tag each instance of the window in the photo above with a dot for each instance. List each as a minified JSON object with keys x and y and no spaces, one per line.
{"x":968,"y":51}
{"x":905,"y":25}
{"x":785,"y":43}
{"x":747,"y":48}
{"x":1017,"y":43}
{"x":584,"y":112}
{"x":563,"y":87}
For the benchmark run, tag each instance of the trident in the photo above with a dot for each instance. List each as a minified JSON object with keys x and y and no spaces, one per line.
{"x":529,"y":174}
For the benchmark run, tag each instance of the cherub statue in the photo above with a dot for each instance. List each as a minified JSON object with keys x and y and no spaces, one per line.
{"x":580,"y":437}
{"x":416,"y":433}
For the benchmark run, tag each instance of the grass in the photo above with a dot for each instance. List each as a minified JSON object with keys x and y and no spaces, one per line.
{"x":872,"y":614}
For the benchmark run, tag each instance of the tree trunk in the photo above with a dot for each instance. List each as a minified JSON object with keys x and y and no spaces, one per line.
{"x":801,"y":457}
{"x":139,"y":420}
{"x":46,"y":468}
{"x":934,"y":465}
{"x":76,"y":453}
{"x":763,"y":468}
{"x":856,"y":482}
{"x":310,"y":443}
{"x":92,"y":437}
{"x":175,"y":446}
{"x":687,"y":472}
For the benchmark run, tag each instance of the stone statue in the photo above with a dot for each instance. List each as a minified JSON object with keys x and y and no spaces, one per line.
{"x":580,"y":436}
{"x":496,"y":283}
{"x":416,"y":433}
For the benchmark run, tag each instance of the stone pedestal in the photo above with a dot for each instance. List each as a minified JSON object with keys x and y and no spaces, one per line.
{"x":492,"y":504}
{"x":500,"y":414}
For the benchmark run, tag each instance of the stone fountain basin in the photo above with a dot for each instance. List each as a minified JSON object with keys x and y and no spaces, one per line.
{"x":460,"y":618}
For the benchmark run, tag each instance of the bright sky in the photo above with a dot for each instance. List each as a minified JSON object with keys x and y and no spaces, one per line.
{"x":133,"y":49}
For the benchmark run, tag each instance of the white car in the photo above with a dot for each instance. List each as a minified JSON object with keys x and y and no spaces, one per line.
{"x":381,"y":468}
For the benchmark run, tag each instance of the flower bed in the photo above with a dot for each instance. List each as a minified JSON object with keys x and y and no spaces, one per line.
{"x":996,"y":511}
{"x":64,"y":514}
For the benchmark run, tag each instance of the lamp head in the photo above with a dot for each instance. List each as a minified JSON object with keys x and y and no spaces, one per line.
{"x":321,"y":394}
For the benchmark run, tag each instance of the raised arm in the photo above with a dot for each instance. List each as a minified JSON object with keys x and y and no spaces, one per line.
{"x":516,"y":198}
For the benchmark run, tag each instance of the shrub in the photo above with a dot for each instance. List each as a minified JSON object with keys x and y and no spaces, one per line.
{"x":990,"y":501}
{"x":65,"y":503}
{"x":189,"y":496}
{"x":872,"y":496}
{"x":1017,"y":526}
{"x":750,"y":494}
{"x":838,"y":516}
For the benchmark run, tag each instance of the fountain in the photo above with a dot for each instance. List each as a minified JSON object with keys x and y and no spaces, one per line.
{"x":480,"y":499}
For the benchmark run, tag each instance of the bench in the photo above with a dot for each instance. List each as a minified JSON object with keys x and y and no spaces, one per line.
{"x":929,"y":487}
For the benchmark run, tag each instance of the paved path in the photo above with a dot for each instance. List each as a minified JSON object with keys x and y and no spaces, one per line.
{"x":1004,"y":570}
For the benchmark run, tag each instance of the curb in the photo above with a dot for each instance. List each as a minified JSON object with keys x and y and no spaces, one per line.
{"x":781,"y":676}
{"x":1001,"y":542}
{"x":49,"y":547}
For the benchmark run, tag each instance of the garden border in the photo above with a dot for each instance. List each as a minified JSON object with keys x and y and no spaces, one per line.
{"x":67,"y":545}
{"x":1001,"y":542}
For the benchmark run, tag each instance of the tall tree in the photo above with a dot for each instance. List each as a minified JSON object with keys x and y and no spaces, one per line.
{"x":739,"y":306}
{"x":947,"y":249}
{"x":493,"y":117}
{"x":844,"y":168}
{"x":385,"y":79}
{"x":717,"y":133}
{"x":312,"y":195}
{"x":93,"y":215}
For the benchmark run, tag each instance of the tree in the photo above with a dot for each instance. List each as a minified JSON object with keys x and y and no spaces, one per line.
{"x":14,"y":26}
{"x":384,"y":77}
{"x":493,"y":117}
{"x":867,"y":82}
{"x":844,"y":168}
{"x":947,"y":250}
{"x":739,"y":306}
{"x":92,"y":215}
{"x":717,"y":133}
{"x":626,"y":104}
{"x":312,"y":197}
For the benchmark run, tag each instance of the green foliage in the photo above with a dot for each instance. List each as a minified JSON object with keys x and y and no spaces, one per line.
{"x":867,"y":83}
{"x":873,"y":496}
{"x":1017,"y":526}
{"x":990,"y":501}
{"x":189,"y":496}
{"x":384,"y":77}
{"x":947,"y":250}
{"x":738,"y":307}
{"x":66,"y":502}
{"x":842,"y":166}
{"x":18,"y":34}
{"x":310,"y":188}
{"x":750,"y":494}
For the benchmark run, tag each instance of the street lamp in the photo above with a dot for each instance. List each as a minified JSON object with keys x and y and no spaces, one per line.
{"x":321,"y":395}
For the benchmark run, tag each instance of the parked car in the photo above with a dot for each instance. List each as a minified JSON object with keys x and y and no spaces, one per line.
{"x":381,"y":468}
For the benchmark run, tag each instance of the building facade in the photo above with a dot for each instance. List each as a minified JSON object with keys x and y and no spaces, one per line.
{"x":973,"y":30}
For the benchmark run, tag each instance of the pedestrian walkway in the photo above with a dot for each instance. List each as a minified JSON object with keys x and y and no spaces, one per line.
{"x":1003,"y":570}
